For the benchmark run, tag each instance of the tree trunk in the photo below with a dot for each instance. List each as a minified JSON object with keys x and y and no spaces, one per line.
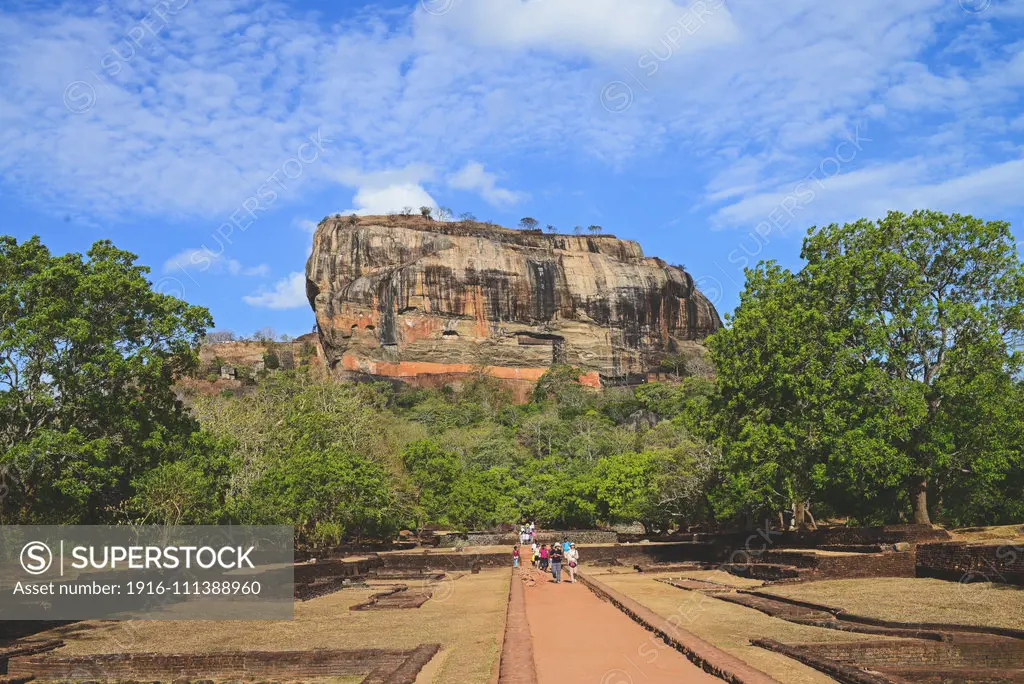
{"x":798,"y":518}
{"x":919,"y":500}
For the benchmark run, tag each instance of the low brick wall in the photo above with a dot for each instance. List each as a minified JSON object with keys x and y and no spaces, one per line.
{"x":623,"y":554}
{"x":807,"y":539}
{"x":977,"y":652}
{"x":961,"y":659}
{"x":961,"y":562}
{"x":240,"y":665}
{"x":334,"y":568}
{"x":895,"y":564}
{"x":452,"y":540}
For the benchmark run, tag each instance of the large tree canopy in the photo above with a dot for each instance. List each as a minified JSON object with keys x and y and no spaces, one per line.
{"x":88,"y":355}
{"x":890,"y":358}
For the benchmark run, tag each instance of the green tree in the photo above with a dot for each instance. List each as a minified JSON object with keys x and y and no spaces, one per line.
{"x":88,"y":356}
{"x":628,"y":489}
{"x":528,"y":223}
{"x":932,"y":306}
{"x":782,"y":378}
{"x":332,"y":488}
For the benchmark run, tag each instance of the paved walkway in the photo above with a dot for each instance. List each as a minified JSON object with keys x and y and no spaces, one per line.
{"x":579,"y":638}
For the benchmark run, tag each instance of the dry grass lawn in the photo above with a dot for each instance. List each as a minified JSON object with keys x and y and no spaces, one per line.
{"x":729,"y":626}
{"x":1010,"y":534}
{"x":466,"y":616}
{"x":916,"y":600}
{"x":717,"y":576}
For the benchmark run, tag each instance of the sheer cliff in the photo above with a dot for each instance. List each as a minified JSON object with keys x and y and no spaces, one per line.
{"x":418,"y":300}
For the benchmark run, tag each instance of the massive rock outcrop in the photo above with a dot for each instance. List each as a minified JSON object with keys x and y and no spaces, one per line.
{"x":419,"y":300}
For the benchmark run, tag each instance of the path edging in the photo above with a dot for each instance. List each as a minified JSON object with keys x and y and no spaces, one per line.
{"x":517,"y":665}
{"x":703,"y":654}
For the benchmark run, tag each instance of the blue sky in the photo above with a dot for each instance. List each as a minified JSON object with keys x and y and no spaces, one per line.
{"x":208,"y":136}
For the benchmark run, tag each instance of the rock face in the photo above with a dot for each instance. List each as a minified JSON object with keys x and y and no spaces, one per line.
{"x":423,"y":301}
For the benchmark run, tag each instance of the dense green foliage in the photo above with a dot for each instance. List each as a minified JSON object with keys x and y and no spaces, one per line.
{"x":883,"y":378}
{"x":88,"y":357}
{"x":879,"y":383}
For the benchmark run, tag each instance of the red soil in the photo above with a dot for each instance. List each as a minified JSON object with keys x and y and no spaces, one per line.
{"x":577,"y":637}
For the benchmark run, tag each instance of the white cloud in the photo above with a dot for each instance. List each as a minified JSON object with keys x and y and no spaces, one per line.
{"x":474,"y":178}
{"x":288,"y":293}
{"x":224,"y":95}
{"x":204,"y":260}
{"x":306,"y":225}
{"x":391,"y":198}
{"x":599,"y":29}
{"x":872,"y":191}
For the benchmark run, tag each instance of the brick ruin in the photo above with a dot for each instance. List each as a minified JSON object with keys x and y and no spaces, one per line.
{"x":962,"y":562}
{"x":956,"y":658}
{"x":379,"y":666}
{"x":909,"y":651}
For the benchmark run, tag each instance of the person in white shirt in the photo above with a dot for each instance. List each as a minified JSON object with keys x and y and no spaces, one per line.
{"x":572,"y":559}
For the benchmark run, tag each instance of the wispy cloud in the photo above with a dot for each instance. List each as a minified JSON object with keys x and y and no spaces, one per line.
{"x":287,"y":293}
{"x":206,"y":261}
{"x":474,"y":178}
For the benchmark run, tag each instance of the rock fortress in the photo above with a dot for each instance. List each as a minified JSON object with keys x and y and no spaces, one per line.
{"x":426,"y":302}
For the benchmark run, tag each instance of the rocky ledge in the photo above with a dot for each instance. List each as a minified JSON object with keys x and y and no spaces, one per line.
{"x":423,"y":301}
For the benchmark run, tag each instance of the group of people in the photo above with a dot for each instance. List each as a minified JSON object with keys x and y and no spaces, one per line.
{"x":551,"y":558}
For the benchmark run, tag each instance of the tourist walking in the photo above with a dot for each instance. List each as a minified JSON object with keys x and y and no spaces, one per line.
{"x":515,"y":556}
{"x":535,"y":555}
{"x":565,"y":544}
{"x":557,"y":556}
{"x":544,"y":557}
{"x":572,"y":559}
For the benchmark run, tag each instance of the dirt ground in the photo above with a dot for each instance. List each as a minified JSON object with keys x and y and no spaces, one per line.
{"x":916,"y":599}
{"x":577,"y":637}
{"x":728,"y":626}
{"x":466,"y":616}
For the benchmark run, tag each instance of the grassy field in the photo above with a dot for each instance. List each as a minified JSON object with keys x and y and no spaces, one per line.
{"x":726,"y":625}
{"x":916,"y":600}
{"x":466,"y":616}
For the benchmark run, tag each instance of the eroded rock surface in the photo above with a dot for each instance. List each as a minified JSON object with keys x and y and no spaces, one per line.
{"x":410,"y":298}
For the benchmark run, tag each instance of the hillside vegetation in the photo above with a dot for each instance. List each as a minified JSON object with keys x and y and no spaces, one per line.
{"x":880,"y":383}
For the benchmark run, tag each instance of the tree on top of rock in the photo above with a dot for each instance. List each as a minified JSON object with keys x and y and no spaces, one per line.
{"x":528,"y":223}
{"x":595,"y":229}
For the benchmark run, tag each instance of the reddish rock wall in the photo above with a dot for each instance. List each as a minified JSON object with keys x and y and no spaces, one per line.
{"x":413,"y":299}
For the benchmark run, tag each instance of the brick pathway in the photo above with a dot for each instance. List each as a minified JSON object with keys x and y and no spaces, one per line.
{"x":577,"y":637}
